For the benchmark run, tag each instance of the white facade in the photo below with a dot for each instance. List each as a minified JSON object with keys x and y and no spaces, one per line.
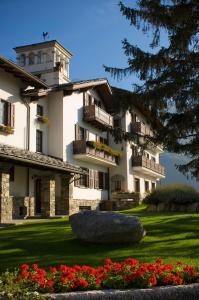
{"x":64,"y":107}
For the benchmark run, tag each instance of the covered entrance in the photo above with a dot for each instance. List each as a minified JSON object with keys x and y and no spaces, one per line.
{"x":43,"y":198}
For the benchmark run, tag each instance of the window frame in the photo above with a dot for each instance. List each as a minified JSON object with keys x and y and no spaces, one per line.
{"x":39,"y":141}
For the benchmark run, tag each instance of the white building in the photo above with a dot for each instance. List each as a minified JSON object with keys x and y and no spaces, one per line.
{"x":54,"y":152}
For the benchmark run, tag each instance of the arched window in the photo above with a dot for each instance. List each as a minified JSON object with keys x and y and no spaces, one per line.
{"x":22,"y":60}
{"x":39,"y":57}
{"x":31,"y":59}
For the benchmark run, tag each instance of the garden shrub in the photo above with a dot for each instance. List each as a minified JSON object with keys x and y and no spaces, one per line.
{"x":173,"y":193}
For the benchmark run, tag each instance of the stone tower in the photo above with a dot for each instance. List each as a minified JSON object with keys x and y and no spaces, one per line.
{"x":48,"y":60}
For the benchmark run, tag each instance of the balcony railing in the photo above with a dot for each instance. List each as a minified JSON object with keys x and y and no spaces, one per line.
{"x":97,"y":116}
{"x":142,"y":161}
{"x":82,"y":147}
{"x":139,"y":127}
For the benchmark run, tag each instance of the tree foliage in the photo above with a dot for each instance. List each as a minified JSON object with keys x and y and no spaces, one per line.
{"x":169,"y":75}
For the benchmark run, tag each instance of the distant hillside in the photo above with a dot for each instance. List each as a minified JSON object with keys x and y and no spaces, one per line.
{"x":172,"y":174}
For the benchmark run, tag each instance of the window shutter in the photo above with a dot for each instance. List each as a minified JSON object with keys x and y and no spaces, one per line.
{"x":96,"y":180}
{"x":85,"y":99}
{"x":77,"y":132}
{"x":12,"y":115}
{"x":91,"y":179}
{"x":87,"y":134}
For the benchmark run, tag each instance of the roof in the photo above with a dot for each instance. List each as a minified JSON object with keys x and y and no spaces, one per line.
{"x":34,"y":159}
{"x":45,"y":43}
{"x":19,"y":72}
{"x":100,"y":84}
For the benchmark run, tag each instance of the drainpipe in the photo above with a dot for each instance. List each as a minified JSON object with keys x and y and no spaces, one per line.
{"x":27,"y":142}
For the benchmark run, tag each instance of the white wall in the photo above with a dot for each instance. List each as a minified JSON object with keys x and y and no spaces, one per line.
{"x":10,"y":91}
{"x":72,"y":114}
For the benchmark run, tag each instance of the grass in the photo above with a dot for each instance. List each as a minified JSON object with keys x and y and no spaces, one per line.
{"x":50,"y":242}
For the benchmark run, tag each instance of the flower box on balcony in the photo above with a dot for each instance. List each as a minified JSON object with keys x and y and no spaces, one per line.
{"x":6,"y":129}
{"x":43,"y":119}
{"x":103,"y":147}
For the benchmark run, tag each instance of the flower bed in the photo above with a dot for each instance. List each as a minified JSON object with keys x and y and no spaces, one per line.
{"x":112,"y":275}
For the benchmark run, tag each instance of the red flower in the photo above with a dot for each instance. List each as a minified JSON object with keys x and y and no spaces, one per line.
{"x":108,"y":261}
{"x":81,"y":282}
{"x":63,"y":280}
{"x":50,"y":283}
{"x":159,"y":261}
{"x":35,"y":266}
{"x":24,"y":267}
{"x":25,"y":274}
{"x":153,"y":280}
{"x":53,"y":270}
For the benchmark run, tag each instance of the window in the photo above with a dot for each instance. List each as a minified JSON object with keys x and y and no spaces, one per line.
{"x":97,"y":103}
{"x":153,"y":158}
{"x":146,"y":184}
{"x":117,"y":123}
{"x":39,"y":140}
{"x":3,"y":112}
{"x":118,"y":185}
{"x":83,"y":208}
{"x":22,"y":60}
{"x":31,"y":59}
{"x":101,"y":180}
{"x":137,"y":185}
{"x":40,"y":110}
{"x":81,"y":134}
{"x":96,"y":179}
{"x":82,"y":180}
{"x":39,"y":57}
{"x":153,"y":186}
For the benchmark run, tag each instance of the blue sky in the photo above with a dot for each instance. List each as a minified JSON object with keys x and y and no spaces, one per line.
{"x":91,"y":29}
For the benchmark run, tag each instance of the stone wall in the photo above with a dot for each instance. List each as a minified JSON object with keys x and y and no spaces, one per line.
{"x":75,"y":204}
{"x":181,"y":292}
{"x":23,"y":207}
{"x":5,"y":198}
{"x":48,"y":196}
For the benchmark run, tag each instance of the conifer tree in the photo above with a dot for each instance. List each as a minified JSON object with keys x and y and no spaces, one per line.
{"x":169,"y":75}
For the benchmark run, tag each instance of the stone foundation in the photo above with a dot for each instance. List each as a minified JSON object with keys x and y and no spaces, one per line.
{"x":76,"y":204}
{"x":23,"y":207}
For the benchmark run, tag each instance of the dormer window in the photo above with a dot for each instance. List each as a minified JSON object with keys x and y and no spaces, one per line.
{"x":31,"y":59}
{"x":23,"y":60}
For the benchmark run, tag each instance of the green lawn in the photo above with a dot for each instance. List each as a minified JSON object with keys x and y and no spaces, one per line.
{"x":170,"y":236}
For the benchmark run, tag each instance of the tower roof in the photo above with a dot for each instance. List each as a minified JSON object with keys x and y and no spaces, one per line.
{"x":44,"y":44}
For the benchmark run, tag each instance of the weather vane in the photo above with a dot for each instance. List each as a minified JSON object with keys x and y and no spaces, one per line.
{"x":45,"y":35}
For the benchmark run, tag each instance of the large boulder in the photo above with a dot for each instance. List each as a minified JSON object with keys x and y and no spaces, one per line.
{"x":106,"y":227}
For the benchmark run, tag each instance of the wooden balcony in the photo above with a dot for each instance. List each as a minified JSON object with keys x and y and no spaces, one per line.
{"x":145,"y":165}
{"x":139,"y":127}
{"x":97,"y":116}
{"x":85,"y":152}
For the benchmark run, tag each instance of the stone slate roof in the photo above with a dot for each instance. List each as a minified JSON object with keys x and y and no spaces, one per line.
{"x":25,"y":157}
